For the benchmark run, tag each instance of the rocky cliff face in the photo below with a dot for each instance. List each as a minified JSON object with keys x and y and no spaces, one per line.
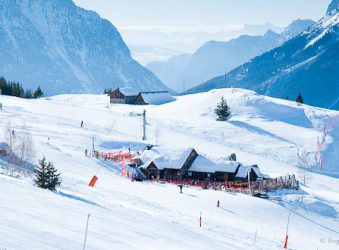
{"x":59,"y":46}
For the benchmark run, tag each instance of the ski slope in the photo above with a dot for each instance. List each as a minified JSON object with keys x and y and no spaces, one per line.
{"x":143,"y":215}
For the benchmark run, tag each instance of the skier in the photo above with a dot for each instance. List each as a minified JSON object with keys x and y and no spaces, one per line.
{"x":82,"y":123}
{"x":180,"y":186}
{"x":86,"y":152}
{"x":218,"y":203}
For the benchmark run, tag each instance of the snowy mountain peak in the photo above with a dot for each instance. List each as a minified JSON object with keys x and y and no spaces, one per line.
{"x":306,"y":63}
{"x":217,"y":57}
{"x":297,"y":26}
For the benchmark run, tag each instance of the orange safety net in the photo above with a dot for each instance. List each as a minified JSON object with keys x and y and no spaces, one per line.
{"x":117,"y":156}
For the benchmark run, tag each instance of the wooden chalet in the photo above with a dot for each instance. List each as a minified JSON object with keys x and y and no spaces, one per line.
{"x":170,"y":168}
{"x":205,"y":170}
{"x":124,"y":95}
{"x":188,"y":165}
{"x":127,"y":95}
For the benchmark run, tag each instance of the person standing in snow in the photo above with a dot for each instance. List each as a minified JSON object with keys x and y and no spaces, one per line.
{"x":180,"y":186}
{"x":82,"y":123}
{"x":218,"y":203}
{"x":86,"y":152}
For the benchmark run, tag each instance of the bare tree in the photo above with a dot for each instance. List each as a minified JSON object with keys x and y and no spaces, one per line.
{"x":157,"y":134}
{"x":305,"y":161}
{"x":25,"y":150}
{"x":11,"y":142}
{"x":19,"y":151}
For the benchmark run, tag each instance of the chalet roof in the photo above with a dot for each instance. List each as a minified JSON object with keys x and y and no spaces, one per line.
{"x":243,"y":171}
{"x":156,"y":97}
{"x":257,"y":171}
{"x":128,"y":91}
{"x":202,"y":164}
{"x":166,"y":157}
{"x":175,"y":160}
{"x":146,"y":164}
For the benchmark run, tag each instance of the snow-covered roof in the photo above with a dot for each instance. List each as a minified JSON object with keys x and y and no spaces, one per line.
{"x":174,"y":160}
{"x":243,"y":171}
{"x":257,"y":171}
{"x":160,"y":97}
{"x":165,"y":157}
{"x":145,"y":165}
{"x":149,"y":155}
{"x":202,"y":164}
{"x":128,"y":91}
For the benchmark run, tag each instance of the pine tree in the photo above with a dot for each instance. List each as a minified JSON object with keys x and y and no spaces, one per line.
{"x":38,"y":93}
{"x":222,"y":111}
{"x":46,"y":175}
{"x":41,"y":176}
{"x":28,"y":94}
{"x":299,"y":99}
{"x":54,"y":177}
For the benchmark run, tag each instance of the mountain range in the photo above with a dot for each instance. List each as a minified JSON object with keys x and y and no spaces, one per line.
{"x":307,"y":63}
{"x":185,"y":71}
{"x":62,"y":47}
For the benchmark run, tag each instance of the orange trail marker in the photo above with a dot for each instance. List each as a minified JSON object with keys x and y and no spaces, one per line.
{"x":93,"y":181}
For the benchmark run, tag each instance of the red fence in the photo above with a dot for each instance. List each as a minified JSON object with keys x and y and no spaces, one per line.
{"x":285,"y":182}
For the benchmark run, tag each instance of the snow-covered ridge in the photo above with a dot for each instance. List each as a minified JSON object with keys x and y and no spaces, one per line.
{"x":319,"y":30}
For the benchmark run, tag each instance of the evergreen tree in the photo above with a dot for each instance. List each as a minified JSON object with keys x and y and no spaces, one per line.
{"x":222,"y":111}
{"x":46,"y":175}
{"x":299,"y":99}
{"x":28,"y":94}
{"x":38,"y":93}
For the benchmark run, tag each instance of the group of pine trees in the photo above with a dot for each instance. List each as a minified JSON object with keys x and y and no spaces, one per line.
{"x":16,"y":89}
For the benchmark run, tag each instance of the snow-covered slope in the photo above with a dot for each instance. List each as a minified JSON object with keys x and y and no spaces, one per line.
{"x":218,"y":57}
{"x":134,"y":215}
{"x":307,"y":63}
{"x":61,"y":47}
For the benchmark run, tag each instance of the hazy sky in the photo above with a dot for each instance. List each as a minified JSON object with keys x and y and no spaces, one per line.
{"x":204,"y":12}
{"x":152,"y":24}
